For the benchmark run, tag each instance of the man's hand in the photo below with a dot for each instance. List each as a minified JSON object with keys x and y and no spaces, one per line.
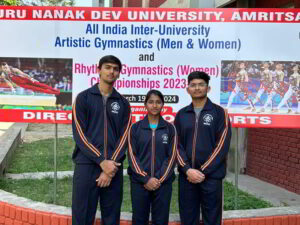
{"x":195,"y":176}
{"x":103,"y":180}
{"x":152,"y":184}
{"x":109,"y":167}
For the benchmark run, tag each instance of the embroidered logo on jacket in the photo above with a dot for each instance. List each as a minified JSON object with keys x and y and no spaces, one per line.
{"x":115,"y":107}
{"x":207,"y":119}
{"x":165,"y":138}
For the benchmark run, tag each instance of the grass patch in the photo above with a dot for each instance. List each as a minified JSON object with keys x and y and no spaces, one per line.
{"x":43,"y":192}
{"x":38,"y":156}
{"x":245,"y":200}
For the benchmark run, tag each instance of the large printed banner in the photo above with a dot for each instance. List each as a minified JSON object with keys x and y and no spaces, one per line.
{"x":50,"y":54}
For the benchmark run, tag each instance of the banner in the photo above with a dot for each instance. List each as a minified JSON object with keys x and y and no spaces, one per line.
{"x":50,"y":54}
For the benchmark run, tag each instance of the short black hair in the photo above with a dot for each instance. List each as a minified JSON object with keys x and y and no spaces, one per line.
{"x":110,"y":59}
{"x":198,"y":75}
{"x":154,"y":92}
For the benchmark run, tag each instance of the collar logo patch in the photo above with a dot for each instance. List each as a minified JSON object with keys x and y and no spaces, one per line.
{"x":207,"y":119}
{"x":115,"y":107}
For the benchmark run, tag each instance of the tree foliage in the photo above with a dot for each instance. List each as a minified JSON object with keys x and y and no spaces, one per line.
{"x":48,"y":2}
{"x":39,"y":2}
{"x":10,"y":2}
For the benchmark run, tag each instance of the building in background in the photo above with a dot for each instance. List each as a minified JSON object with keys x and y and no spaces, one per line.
{"x":89,"y":3}
{"x":198,"y":3}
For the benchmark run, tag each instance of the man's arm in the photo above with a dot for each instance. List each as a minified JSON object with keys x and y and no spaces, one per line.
{"x":21,"y":73}
{"x":9,"y":83}
{"x":122,"y":142}
{"x":79,"y":125}
{"x":181,"y":153}
{"x":222,"y":145}
{"x":246,"y":77}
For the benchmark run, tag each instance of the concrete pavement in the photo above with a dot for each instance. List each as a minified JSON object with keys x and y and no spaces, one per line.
{"x":4,"y":126}
{"x":269,"y":192}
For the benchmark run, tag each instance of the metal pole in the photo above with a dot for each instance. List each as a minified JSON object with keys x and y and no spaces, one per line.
{"x":125,"y":4}
{"x":236,"y":172}
{"x":55,"y":165}
{"x":145,"y":3}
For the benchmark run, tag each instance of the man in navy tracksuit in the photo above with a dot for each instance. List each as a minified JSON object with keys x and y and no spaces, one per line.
{"x":101,"y":120}
{"x":203,"y":142}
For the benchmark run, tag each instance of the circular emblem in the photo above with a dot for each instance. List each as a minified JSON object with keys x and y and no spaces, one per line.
{"x":207,"y":118}
{"x":115,"y":107}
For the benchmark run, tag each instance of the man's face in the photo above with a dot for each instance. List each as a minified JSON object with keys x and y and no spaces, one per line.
{"x":5,"y":68}
{"x":109,"y":73}
{"x":198,"y":89}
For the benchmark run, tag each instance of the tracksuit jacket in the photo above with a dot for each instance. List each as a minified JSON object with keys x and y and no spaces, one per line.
{"x":203,"y":142}
{"x":92,"y":121}
{"x":151,"y":153}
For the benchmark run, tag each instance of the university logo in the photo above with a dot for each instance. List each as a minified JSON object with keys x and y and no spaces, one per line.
{"x":165,"y":138}
{"x":115,"y":107}
{"x":207,"y":119}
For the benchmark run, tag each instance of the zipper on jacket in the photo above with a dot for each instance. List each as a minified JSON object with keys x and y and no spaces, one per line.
{"x":195,"y":140}
{"x":105,"y":130}
{"x":153,"y":154}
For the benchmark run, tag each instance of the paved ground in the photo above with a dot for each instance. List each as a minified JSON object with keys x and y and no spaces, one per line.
{"x":4,"y":127}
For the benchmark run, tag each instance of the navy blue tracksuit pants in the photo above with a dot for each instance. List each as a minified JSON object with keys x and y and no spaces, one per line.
{"x":207,"y":195}
{"x":86,"y":195}
{"x":158,"y":200}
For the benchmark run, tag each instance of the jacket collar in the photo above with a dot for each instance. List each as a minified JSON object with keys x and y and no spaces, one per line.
{"x":208,"y":106}
{"x":145,"y":123}
{"x":95,"y":90}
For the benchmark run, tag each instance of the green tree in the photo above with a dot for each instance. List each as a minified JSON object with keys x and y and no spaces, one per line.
{"x":10,"y":2}
{"x":48,"y":2}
